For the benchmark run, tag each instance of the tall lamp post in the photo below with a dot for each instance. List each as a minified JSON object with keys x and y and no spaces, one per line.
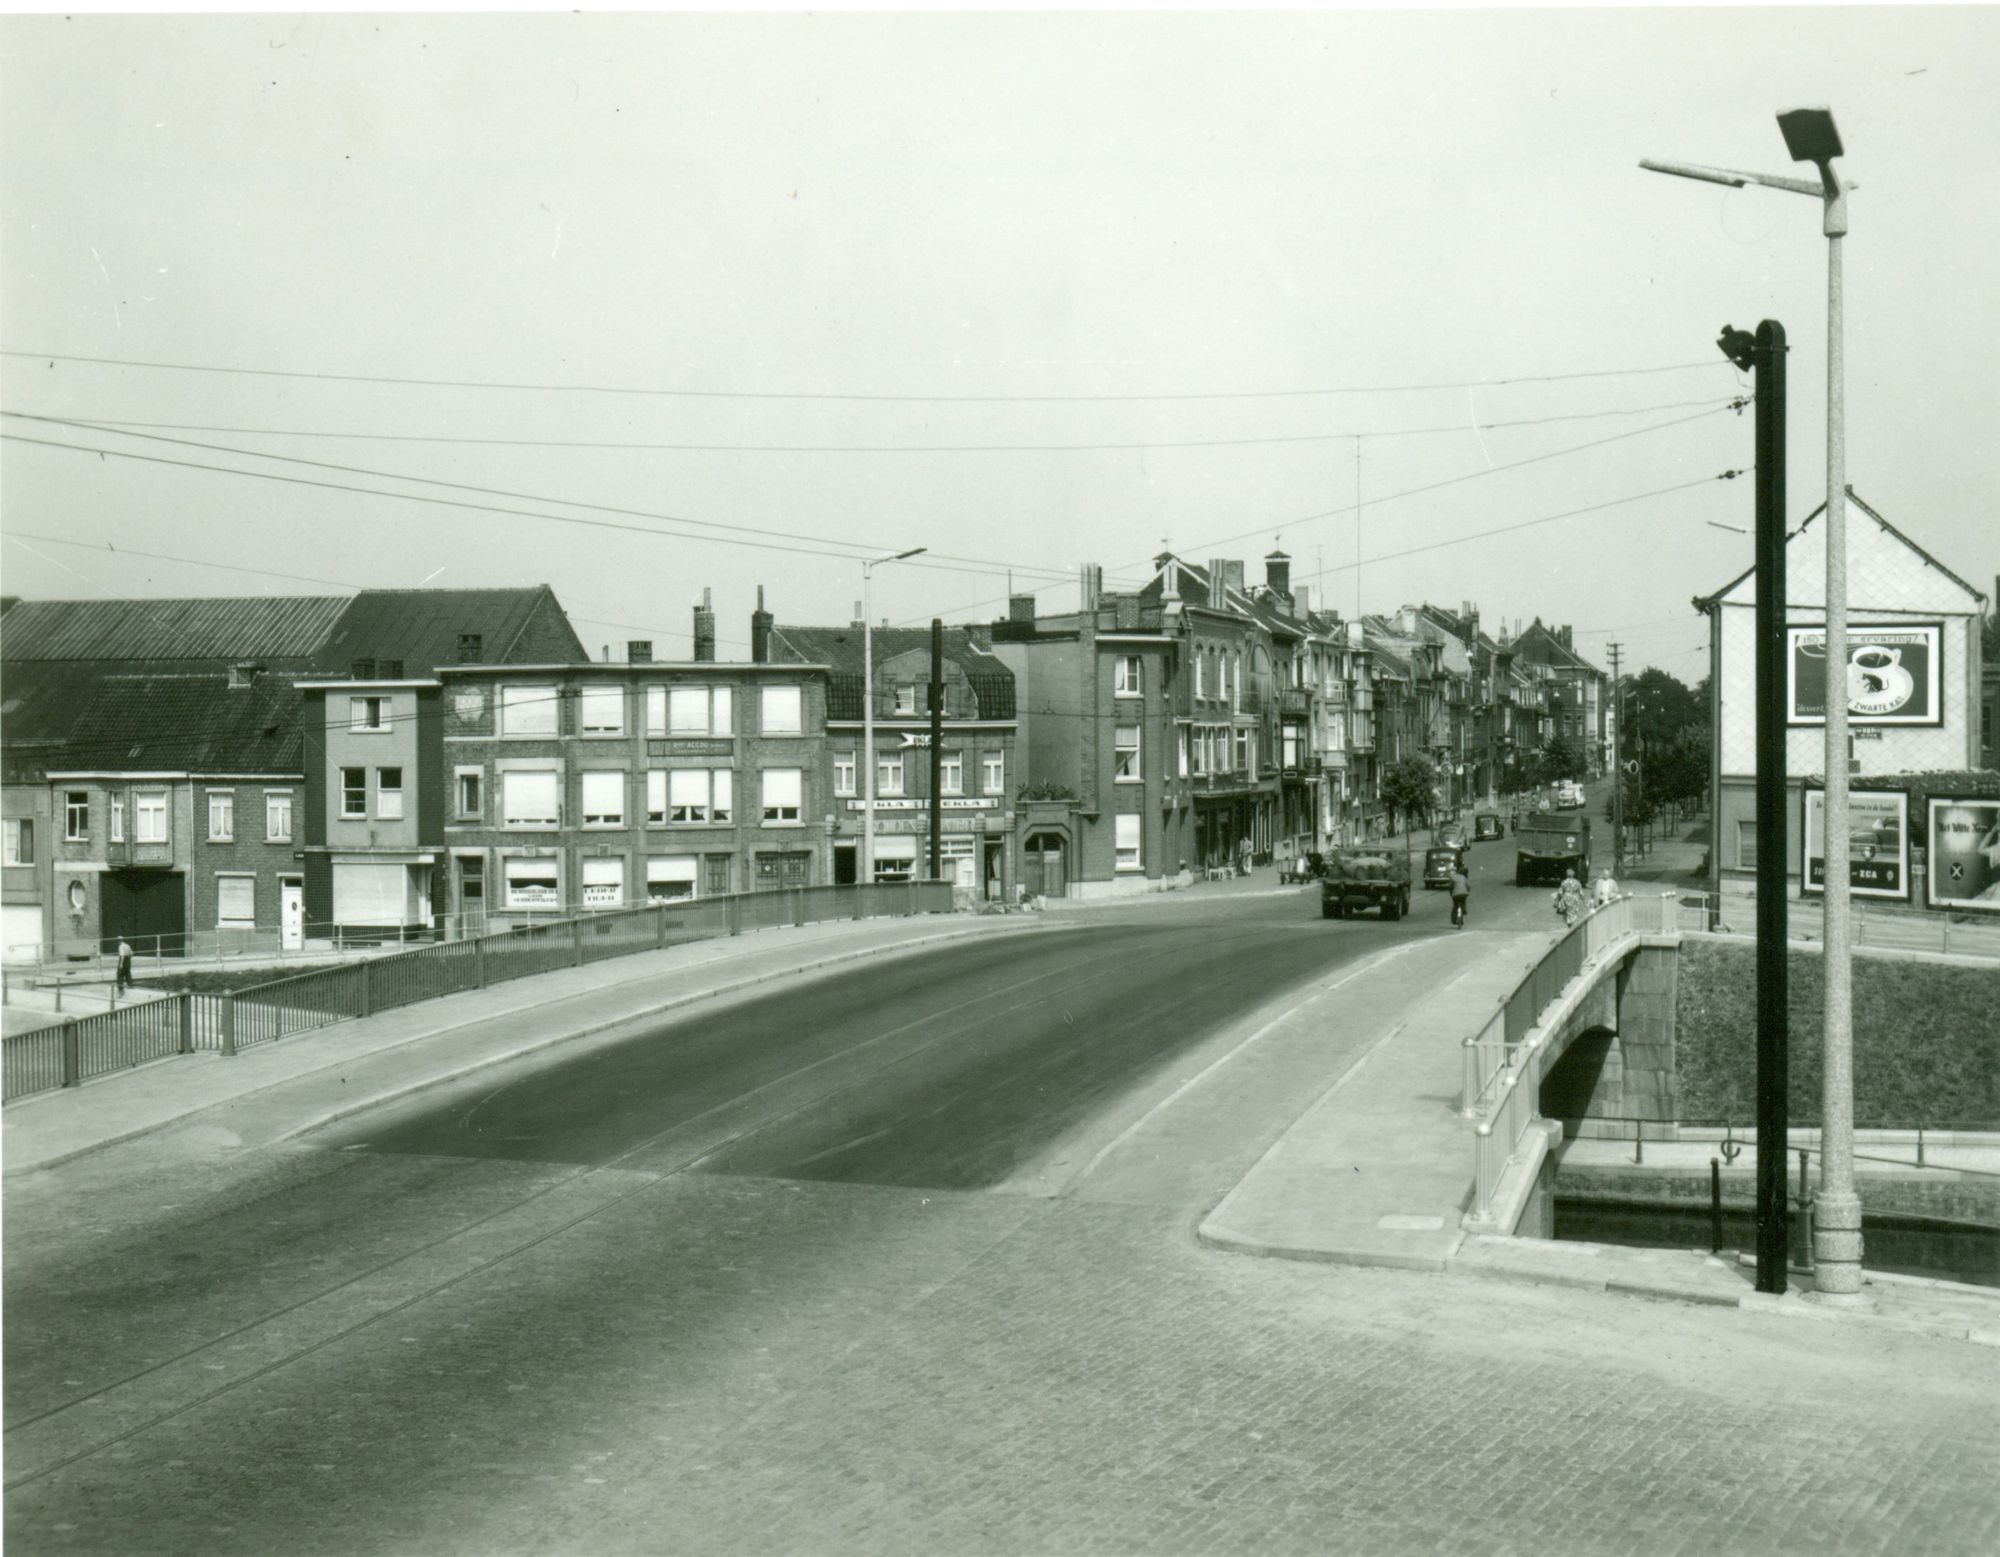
{"x":866,"y":868}
{"x":1810,"y":136}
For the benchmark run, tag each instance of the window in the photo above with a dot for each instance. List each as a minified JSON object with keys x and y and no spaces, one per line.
{"x":20,"y":840}
{"x":1746,"y":845}
{"x":603,"y":710}
{"x":843,"y":773}
{"x":689,"y":710}
{"x":906,"y":698}
{"x":1237,"y":701}
{"x":1292,"y":736}
{"x":532,"y":883}
{"x":353,"y":791}
{"x":1127,"y":856}
{"x":76,"y":814}
{"x":781,"y":714}
{"x":1125,"y":754}
{"x":1125,"y":676}
{"x":783,"y":794}
{"x":889,"y":774}
{"x":149,"y":818}
{"x":700,"y":795}
{"x":603,"y":883}
{"x":604,"y":799}
{"x":277,"y":818}
{"x":1183,"y":745}
{"x":1200,"y":676}
{"x":236,"y":902}
{"x":367,"y":713}
{"x":1223,"y":685}
{"x":1243,"y":751}
{"x":389,"y":794}
{"x":114,"y":811}
{"x":466,"y":792}
{"x":528,"y":710}
{"x":670,"y":876}
{"x":531,"y":799}
{"x":993,"y":773}
{"x":951,"y":774}
{"x":221,"y":816}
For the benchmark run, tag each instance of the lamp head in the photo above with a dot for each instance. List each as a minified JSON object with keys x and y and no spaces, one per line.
{"x":1810,"y":135}
{"x":1739,"y":346}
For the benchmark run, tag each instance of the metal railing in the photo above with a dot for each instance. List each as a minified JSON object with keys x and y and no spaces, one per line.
{"x":73,"y":1050}
{"x":1501,"y":1064}
{"x":1869,"y":930}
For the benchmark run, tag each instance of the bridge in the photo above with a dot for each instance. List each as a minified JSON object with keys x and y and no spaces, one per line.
{"x":1602,"y":998}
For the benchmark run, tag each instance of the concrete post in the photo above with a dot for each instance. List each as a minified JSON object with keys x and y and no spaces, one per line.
{"x":227,"y":1037}
{"x":186,"y":1015}
{"x":735,"y":914}
{"x":72,"y":1054}
{"x":479,"y":962}
{"x":366,"y":971}
{"x":576,"y":943}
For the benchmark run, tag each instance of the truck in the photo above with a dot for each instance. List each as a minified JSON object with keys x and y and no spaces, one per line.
{"x":1547,"y":843}
{"x":1354,"y":879}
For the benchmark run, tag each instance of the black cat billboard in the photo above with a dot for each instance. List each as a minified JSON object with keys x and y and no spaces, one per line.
{"x":1893,"y":674}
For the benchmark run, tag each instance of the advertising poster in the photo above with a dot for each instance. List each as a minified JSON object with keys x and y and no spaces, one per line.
{"x":1878,"y":842}
{"x":1893,"y":674}
{"x":1965,"y":854}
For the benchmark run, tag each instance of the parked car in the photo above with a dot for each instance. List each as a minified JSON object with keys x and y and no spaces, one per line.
{"x":1486,"y":825}
{"x":1439,"y":864}
{"x":1569,"y":796}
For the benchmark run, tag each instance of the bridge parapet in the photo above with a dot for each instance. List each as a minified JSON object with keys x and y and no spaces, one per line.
{"x":1505,"y":1061}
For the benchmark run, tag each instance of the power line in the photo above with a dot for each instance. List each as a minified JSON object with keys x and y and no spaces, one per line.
{"x":103,"y":423}
{"x":808,"y":395}
{"x":975,"y":564}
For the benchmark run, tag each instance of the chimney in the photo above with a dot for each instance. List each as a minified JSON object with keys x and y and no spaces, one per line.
{"x":1021,"y":608}
{"x":1302,"y":601}
{"x":704,"y":630}
{"x":761,"y":622}
{"x":638,"y":651}
{"x":1562,"y":635}
{"x":1218,"y":580}
{"x":858,"y":621}
{"x":1091,"y":576}
{"x":240,"y":676}
{"x":470,"y":646}
{"x":1232,"y":575}
{"x":980,"y":635}
{"x":1278,"y":572}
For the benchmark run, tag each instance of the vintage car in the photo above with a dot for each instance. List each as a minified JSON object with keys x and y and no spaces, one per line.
{"x":1486,"y":825}
{"x":1439,"y":866}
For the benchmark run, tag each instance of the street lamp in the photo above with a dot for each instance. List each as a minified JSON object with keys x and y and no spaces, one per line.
{"x":866,"y":870}
{"x":1810,"y":136}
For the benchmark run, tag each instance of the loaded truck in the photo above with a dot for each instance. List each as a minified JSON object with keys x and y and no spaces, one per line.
{"x":1547,"y":843}
{"x":1354,"y":879}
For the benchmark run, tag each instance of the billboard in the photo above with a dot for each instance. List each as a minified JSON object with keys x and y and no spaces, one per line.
{"x":1893,"y":674}
{"x":1878,"y":842}
{"x":1965,"y":854}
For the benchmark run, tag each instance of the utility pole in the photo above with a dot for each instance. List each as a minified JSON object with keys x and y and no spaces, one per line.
{"x":1766,"y":353}
{"x":937,"y":744}
{"x":1617,"y":766}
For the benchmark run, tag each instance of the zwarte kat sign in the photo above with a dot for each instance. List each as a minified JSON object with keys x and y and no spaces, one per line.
{"x":1892,"y":675}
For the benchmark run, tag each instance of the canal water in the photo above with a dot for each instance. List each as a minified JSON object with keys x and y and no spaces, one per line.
{"x":1904,"y":1246}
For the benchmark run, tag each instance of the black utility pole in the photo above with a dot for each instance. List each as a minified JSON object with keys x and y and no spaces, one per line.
{"x":937,"y":743}
{"x":1767,"y":354}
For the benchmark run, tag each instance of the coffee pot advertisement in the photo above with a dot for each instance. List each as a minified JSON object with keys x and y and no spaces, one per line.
{"x":1892,"y":674}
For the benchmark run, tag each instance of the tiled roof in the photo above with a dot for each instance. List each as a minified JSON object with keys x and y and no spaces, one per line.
{"x":263,"y":628}
{"x":840,"y":650}
{"x":187,"y":721}
{"x":421,"y":629}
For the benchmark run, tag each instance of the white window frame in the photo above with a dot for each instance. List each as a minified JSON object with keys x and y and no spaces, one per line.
{"x":477,"y":773}
{"x":114,"y":817}
{"x":774,"y":717}
{"x":906,"y":698}
{"x":676,"y":863}
{"x":76,"y":816}
{"x":888,"y":774}
{"x":248,"y":878}
{"x":1128,"y":841}
{"x":609,"y":866}
{"x":508,"y":867}
{"x":524,"y":708}
{"x":1127,"y":677}
{"x":597,"y":703}
{"x":993,"y":772}
{"x":368,"y":715}
{"x":1183,"y":743}
{"x":716,"y":788}
{"x":1201,"y":673}
{"x":1125,"y":767}
{"x":388,"y":797}
{"x":20,"y":829}
{"x":594,"y":811}
{"x":951,"y":773}
{"x":776,"y":810}
{"x":222,"y":816}
{"x":149,"y":807}
{"x":277,"y":816}
{"x":510,"y":815}
{"x":348,"y":811}
{"x":845,"y":774}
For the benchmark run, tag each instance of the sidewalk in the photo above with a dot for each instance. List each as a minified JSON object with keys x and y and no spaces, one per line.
{"x":1379,"y":1170}
{"x":335,"y":1071}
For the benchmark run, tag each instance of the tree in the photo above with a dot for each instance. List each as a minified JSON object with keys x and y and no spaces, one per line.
{"x":1410,"y":786}
{"x":1561,"y":759}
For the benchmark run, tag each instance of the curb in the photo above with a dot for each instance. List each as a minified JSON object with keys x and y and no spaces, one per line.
{"x":534,"y":1047}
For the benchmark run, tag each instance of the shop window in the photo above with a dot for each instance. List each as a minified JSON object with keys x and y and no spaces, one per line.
{"x":604,"y":883}
{"x":669,"y":876}
{"x":533,"y":883}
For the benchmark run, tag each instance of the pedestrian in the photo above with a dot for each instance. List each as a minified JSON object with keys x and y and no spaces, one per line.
{"x":1607,"y":889}
{"x":1461,"y":888}
{"x":1569,"y":899}
{"x":1243,"y":857}
{"x":124,"y":965}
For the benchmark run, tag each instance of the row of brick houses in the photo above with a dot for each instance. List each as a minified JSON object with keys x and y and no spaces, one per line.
{"x":200,"y":775}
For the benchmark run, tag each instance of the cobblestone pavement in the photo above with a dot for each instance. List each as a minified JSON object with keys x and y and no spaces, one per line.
{"x":717,"y":1364}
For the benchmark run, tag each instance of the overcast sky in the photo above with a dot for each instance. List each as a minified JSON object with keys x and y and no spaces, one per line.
{"x":1031,"y":291}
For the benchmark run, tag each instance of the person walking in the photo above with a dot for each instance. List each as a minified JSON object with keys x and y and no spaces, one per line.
{"x":1606,"y":890}
{"x":1569,"y":899}
{"x":1461,"y":889}
{"x":124,"y":979}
